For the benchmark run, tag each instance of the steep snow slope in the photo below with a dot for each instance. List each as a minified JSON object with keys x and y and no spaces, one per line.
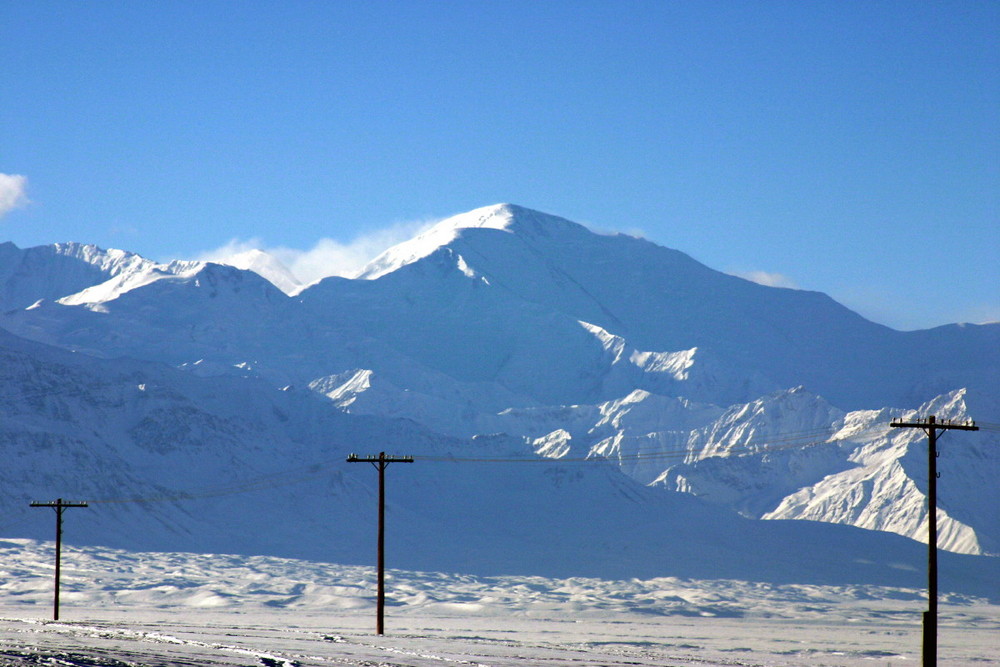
{"x":144,"y":273}
{"x":52,"y":272}
{"x":661,"y":299}
{"x":199,"y":312}
{"x":789,"y":454}
{"x":77,"y":273}
{"x":171,"y":460}
{"x":436,"y":315}
{"x":500,"y":218}
{"x":859,"y":472}
{"x":885,"y":486}
{"x":137,"y":438}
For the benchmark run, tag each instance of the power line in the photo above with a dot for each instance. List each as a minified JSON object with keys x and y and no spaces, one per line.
{"x":271,"y":481}
{"x":779,"y":442}
{"x":312,"y":471}
{"x":791,"y":440}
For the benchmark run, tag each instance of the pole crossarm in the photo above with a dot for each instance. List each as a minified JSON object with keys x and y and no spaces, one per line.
{"x":59,"y":504}
{"x":931,"y":426}
{"x":381,"y":458}
{"x":931,"y":422}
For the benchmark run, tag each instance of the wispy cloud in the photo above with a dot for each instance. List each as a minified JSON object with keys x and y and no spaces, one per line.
{"x":124,"y":230}
{"x":13,"y":192}
{"x":985,"y":314}
{"x":767,"y":278}
{"x":883,"y":305}
{"x":328,"y":257}
{"x":637,"y":232}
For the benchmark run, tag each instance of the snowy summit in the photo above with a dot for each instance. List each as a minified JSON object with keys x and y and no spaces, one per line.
{"x":504,"y":217}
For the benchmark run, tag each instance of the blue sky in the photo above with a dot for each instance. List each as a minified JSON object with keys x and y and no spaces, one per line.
{"x":851,"y":148}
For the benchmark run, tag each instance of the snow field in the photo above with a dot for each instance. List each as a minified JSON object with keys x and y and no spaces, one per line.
{"x":125,"y":608}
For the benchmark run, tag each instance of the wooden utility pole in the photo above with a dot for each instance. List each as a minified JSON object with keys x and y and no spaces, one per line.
{"x":931,"y":426}
{"x":380,"y":462}
{"x":59,"y":506}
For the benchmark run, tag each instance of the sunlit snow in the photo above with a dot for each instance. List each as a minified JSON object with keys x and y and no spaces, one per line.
{"x":123,"y":608}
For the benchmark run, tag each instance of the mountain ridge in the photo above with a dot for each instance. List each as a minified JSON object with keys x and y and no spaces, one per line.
{"x":572,"y":345}
{"x":233,"y":476}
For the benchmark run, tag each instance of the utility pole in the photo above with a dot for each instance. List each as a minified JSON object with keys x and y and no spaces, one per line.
{"x":931,"y":426}
{"x":380,"y":462}
{"x":59,"y":506}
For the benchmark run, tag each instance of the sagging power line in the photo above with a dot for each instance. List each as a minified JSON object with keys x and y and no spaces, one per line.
{"x":777,"y":442}
{"x":270,"y":481}
{"x":298,"y":475}
{"x":780,"y":442}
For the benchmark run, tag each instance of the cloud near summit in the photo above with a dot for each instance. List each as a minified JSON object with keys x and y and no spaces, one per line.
{"x":328,"y":257}
{"x":13,"y":192}
{"x":767,"y":278}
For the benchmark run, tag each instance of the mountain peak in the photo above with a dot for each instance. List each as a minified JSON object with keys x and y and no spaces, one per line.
{"x":503,"y":217}
{"x":53,"y":271}
{"x":267,"y":266}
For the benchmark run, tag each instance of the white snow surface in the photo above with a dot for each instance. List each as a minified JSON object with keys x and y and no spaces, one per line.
{"x":268,"y":267}
{"x":128,"y":608}
{"x":139,"y":275}
{"x":885,"y":486}
{"x":647,"y":390}
{"x":59,"y":270}
{"x":498,"y":216}
{"x":787,"y":455}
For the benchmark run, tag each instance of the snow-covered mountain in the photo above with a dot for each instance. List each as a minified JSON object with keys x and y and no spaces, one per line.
{"x":267,"y":266}
{"x":60,"y":270}
{"x":172,"y":460}
{"x":499,"y":333}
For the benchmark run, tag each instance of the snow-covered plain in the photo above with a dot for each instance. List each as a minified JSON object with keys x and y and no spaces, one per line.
{"x":124,"y":608}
